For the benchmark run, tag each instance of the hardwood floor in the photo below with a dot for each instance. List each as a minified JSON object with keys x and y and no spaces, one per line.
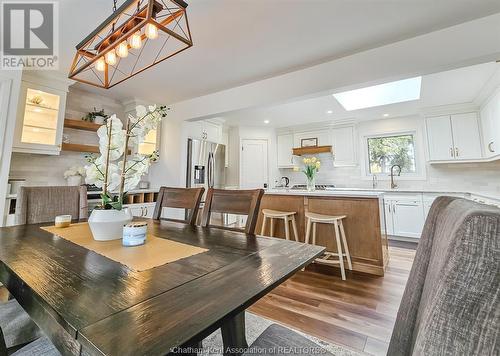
{"x":359,"y":312}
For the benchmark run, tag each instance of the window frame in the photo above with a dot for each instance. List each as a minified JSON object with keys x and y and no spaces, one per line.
{"x":419,"y":172}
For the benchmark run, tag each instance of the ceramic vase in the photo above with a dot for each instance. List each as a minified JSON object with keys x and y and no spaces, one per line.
{"x":108,"y":225}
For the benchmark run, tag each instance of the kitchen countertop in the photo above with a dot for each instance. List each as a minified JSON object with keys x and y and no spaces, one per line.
{"x":329,"y":193}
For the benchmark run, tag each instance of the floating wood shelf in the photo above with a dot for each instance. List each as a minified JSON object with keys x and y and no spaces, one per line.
{"x":76,"y":147}
{"x":81,"y":125}
{"x":300,"y":151}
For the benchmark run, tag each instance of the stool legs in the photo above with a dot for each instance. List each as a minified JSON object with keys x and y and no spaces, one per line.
{"x":314,"y":233}
{"x":344,"y":241}
{"x":308,"y":231}
{"x":272,"y":227}
{"x":287,"y":228}
{"x":339,"y":249}
{"x":263,"y":230}
{"x":294,"y":226}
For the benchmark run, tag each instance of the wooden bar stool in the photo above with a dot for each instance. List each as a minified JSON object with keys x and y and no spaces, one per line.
{"x":286,"y":216}
{"x":336,"y":221}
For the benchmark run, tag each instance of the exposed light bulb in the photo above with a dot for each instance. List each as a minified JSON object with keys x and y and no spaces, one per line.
{"x":100,"y":64}
{"x":122,"y":49}
{"x":111,"y":58}
{"x":151,"y":31}
{"x":135,"y":40}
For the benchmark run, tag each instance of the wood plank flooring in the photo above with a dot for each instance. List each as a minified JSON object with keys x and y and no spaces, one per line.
{"x":359,"y":312}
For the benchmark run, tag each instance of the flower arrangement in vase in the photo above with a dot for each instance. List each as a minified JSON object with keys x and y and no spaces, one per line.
{"x":117,"y":177}
{"x":311,"y":167}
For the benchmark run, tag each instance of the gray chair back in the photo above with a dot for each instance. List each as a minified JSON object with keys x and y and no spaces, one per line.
{"x":451,"y":302}
{"x":42,"y":204}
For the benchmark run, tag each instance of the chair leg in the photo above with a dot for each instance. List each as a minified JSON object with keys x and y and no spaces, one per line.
{"x":287,"y":228}
{"x":294,"y":226}
{"x":344,"y":241}
{"x":272,"y":227}
{"x":263,"y":230}
{"x":314,"y":233}
{"x":339,"y":250}
{"x":308,"y":230}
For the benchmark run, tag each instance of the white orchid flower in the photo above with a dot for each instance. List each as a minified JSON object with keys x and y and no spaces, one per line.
{"x":140,"y":110}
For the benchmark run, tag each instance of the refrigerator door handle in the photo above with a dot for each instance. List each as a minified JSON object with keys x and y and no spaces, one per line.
{"x":210,"y":170}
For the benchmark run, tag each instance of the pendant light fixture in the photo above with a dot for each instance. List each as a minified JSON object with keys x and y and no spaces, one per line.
{"x":138,"y":35}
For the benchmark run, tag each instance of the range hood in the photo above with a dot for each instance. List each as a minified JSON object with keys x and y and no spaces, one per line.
{"x":300,"y":151}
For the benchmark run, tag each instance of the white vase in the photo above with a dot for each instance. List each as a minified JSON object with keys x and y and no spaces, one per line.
{"x":107,"y":225}
{"x":74,"y":180}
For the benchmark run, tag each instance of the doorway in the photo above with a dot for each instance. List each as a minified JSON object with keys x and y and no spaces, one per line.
{"x":253,"y":164}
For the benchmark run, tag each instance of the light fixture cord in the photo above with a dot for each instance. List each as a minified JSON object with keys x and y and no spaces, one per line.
{"x":114,"y":5}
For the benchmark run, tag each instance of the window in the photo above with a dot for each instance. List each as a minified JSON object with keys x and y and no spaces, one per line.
{"x":382,"y":94}
{"x":386,"y":151}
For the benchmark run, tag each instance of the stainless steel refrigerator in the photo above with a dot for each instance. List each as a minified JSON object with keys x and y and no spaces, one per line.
{"x":206,"y":165}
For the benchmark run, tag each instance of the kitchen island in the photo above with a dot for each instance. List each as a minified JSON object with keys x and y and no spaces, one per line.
{"x":364,"y":225}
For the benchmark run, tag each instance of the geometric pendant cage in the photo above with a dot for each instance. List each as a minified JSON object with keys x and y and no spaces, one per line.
{"x":138,"y":35}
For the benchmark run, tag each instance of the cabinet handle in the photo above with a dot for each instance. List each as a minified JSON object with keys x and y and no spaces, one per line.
{"x":394,"y":208}
{"x":490,"y":147}
{"x":456,"y":152}
{"x":389,"y":208}
{"x":142,"y":211}
{"x":146,"y":214}
{"x":451,"y":152}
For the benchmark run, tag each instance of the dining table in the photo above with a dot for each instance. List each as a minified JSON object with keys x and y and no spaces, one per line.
{"x":89,"y":304}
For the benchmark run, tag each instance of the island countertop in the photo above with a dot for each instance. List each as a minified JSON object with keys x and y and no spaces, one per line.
{"x":330,"y":193}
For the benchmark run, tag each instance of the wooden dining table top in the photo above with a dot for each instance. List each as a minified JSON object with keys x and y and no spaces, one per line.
{"x":86,"y":302}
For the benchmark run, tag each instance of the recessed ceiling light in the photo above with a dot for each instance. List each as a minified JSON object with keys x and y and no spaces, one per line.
{"x":382,"y":94}
{"x":266,"y":121}
{"x":386,"y":115}
{"x":329,"y":112}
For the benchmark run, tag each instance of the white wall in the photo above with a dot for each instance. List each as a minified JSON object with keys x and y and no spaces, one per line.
{"x":473,"y":177}
{"x":236,"y":135}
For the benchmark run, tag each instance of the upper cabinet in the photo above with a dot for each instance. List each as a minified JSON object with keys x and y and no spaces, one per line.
{"x":205,"y":130}
{"x":454,"y":137}
{"x":285,"y":148}
{"x":490,"y":126}
{"x":323,"y":137}
{"x":40,"y":118}
{"x":344,"y":147}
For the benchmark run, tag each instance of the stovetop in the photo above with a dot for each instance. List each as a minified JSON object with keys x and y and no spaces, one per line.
{"x":318,"y":187}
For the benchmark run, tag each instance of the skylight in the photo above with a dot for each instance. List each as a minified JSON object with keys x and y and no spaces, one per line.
{"x":382,"y":94}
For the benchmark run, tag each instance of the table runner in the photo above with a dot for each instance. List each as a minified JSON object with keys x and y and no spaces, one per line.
{"x":155,"y":252}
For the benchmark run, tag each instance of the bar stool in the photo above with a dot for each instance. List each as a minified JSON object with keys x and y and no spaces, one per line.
{"x":287,"y":216}
{"x":336,"y":221}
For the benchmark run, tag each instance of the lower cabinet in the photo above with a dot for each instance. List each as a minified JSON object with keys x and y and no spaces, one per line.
{"x":142,"y":210}
{"x":404,"y":215}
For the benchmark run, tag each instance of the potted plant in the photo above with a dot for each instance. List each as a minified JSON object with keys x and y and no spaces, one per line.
{"x":311,"y":167}
{"x":74,"y":175}
{"x":117,"y":177}
{"x":99,"y":117}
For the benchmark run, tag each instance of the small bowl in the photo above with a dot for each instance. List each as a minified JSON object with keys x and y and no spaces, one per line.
{"x":63,"y":220}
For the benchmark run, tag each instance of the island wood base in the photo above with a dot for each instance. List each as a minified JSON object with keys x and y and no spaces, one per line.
{"x":363,"y":226}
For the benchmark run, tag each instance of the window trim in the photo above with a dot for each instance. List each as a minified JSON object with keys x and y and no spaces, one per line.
{"x":419,"y":168}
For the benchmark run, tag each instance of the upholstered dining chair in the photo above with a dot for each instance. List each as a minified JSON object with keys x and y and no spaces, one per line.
{"x":180,"y":198}
{"x":42,"y":204}
{"x":238,"y":202}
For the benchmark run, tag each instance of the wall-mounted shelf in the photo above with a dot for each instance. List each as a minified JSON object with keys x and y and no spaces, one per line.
{"x":81,"y":125}
{"x":76,"y":147}
{"x":300,"y":151}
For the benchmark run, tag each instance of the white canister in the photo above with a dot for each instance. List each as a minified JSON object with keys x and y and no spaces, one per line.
{"x":134,"y":234}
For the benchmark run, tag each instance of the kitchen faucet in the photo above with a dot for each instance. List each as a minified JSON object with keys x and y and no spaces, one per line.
{"x":393,"y":184}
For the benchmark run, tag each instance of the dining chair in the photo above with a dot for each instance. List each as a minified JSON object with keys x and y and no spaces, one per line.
{"x":42,"y":204}
{"x":16,"y":326}
{"x":40,"y":347}
{"x":180,"y":198}
{"x":238,"y":202}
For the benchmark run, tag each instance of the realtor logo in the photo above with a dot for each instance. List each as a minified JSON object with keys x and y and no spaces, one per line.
{"x":29,"y":35}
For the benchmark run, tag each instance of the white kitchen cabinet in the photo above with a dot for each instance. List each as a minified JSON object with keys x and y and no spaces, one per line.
{"x":144,"y":210}
{"x":344,"y":147}
{"x":205,"y":130}
{"x":285,"y":149}
{"x":225,"y":142}
{"x":404,"y":215}
{"x":39,"y":126}
{"x":466,"y":138}
{"x":490,"y":125}
{"x":454,"y":137}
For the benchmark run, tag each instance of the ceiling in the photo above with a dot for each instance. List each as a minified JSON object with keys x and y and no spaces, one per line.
{"x":242,"y":41}
{"x":457,"y":86}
